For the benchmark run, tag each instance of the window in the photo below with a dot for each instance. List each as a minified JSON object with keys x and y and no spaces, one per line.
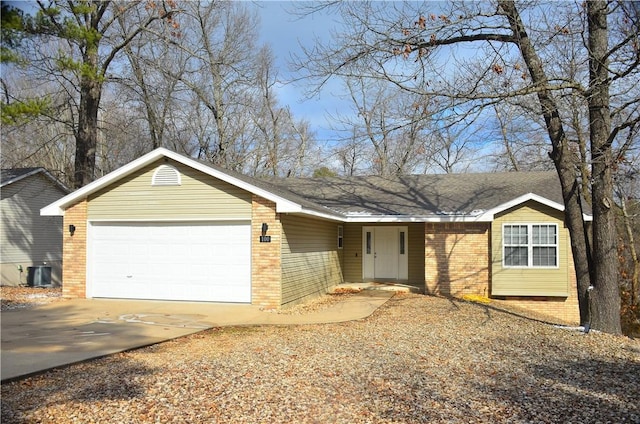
{"x":402,"y":241}
{"x":530,"y":245}
{"x":368,"y":238}
{"x":340,"y":236}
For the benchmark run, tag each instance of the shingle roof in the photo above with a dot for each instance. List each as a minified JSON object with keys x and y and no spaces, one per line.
{"x":411,"y":197}
{"x":276,"y":187}
{"x":421,"y":195}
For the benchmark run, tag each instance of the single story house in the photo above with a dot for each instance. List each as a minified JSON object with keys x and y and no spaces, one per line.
{"x":28,"y":239}
{"x":169,"y":227}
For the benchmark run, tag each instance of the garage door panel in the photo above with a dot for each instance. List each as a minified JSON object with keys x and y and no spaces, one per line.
{"x":171,"y":261}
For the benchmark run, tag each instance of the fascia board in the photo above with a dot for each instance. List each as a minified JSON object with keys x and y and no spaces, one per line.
{"x":21,"y":177}
{"x":522,"y":199}
{"x":416,"y":218}
{"x":486,"y":216}
{"x":36,"y":171}
{"x":282,"y":205}
{"x":57,"y":208}
{"x":331,"y":217}
{"x":526,"y":197}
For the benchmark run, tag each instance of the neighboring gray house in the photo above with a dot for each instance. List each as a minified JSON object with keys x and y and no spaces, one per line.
{"x":28,"y":239}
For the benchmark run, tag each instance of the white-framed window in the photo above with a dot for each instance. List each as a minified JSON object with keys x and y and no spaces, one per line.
{"x":530,"y":245}
{"x":340,"y":236}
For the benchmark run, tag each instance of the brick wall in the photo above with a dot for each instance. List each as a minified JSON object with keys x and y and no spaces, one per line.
{"x":457,"y":259}
{"x":74,"y":252}
{"x":266,"y":269}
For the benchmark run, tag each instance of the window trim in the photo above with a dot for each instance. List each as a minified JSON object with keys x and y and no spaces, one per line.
{"x":340,"y":236}
{"x":530,"y":246}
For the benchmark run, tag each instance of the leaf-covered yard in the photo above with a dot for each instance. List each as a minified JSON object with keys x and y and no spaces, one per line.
{"x":417,"y":359}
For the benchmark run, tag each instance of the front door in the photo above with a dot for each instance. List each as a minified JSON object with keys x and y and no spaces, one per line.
{"x":385,"y":253}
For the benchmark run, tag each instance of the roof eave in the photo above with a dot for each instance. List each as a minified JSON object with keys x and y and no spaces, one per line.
{"x":36,"y":171}
{"x":57,"y":208}
{"x":323,"y":215}
{"x":525,"y":198}
{"x":21,"y":177}
{"x":415,"y":218}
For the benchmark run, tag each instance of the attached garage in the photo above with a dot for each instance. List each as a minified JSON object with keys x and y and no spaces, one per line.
{"x":189,"y":261}
{"x":168,"y":227}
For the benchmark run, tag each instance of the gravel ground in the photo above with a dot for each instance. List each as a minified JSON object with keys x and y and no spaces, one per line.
{"x":26,"y":297}
{"x":417,"y":359}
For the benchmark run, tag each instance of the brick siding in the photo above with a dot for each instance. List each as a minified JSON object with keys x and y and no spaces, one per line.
{"x":457,"y":262}
{"x":266,"y":267}
{"x":457,"y":259}
{"x":74,"y":252}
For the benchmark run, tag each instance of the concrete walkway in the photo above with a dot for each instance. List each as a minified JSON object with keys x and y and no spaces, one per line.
{"x":49,"y":336}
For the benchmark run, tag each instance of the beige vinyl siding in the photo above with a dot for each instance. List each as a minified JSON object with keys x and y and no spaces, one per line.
{"x":310,"y":257}
{"x":352,"y":252}
{"x":199,"y":196}
{"x":26,"y":238}
{"x":530,"y":281}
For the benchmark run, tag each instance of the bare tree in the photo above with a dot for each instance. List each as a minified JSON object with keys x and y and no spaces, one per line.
{"x":92,"y":46}
{"x":387,"y":127}
{"x":281,"y":143}
{"x":219,"y":38}
{"x":46,"y":138}
{"x":418,"y":48}
{"x":151,"y":82}
{"x":519,"y":141}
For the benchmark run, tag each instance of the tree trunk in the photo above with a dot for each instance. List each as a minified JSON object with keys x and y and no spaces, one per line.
{"x":605,"y":297}
{"x":563,"y":158}
{"x":87,"y":134}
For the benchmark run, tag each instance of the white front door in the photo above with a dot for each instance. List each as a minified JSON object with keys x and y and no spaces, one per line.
{"x":385,"y":253}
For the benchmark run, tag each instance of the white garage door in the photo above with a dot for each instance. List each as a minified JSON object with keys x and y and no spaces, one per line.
{"x":171,"y":261}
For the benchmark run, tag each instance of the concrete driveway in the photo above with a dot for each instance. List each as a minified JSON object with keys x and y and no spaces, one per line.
{"x":49,"y":336}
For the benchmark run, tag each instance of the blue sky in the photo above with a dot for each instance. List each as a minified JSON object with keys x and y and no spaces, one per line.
{"x":285,"y":32}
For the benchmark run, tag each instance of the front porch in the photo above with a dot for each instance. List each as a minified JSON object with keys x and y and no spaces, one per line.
{"x":382,"y":286}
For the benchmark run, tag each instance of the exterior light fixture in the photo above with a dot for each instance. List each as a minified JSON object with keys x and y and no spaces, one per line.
{"x":264,"y":238}
{"x":72,"y":229}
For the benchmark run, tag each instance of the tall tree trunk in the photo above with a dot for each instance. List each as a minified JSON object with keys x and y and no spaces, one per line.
{"x":87,"y":134}
{"x":563,"y":159}
{"x":605,"y":298}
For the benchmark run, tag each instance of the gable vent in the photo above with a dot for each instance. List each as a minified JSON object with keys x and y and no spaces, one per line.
{"x":165,"y":175}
